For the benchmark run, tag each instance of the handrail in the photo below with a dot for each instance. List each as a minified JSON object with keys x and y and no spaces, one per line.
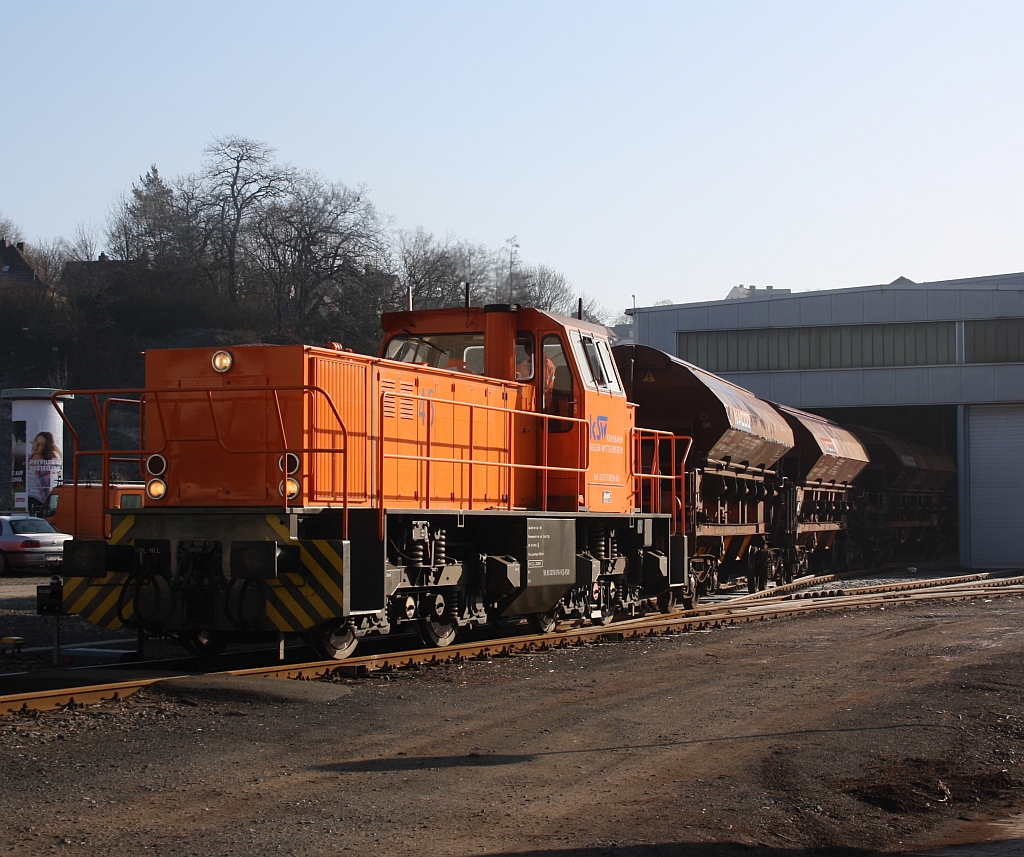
{"x":107,"y":454}
{"x":473,"y":463}
{"x":655,"y":478}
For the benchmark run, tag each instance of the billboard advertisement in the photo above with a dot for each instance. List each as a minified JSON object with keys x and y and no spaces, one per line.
{"x":37,"y":440}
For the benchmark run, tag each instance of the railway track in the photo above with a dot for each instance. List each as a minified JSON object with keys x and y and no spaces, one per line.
{"x":779,"y":602}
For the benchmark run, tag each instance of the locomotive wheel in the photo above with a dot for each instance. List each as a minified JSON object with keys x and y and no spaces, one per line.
{"x":334,"y":640}
{"x":667,"y":602}
{"x":434,"y":632}
{"x":543,"y":623}
{"x":751,"y":583}
{"x":202,"y":643}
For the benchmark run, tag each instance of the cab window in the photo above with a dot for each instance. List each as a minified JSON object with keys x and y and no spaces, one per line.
{"x":524,"y":356}
{"x":596,"y":364}
{"x":462,"y":352}
{"x":131,"y":501}
{"x":49,"y":508}
{"x":610,"y":370}
{"x":557,"y":384}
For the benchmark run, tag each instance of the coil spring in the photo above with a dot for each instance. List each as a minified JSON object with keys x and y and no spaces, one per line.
{"x":440,"y":548}
{"x":416,"y":554}
{"x":598,"y":545}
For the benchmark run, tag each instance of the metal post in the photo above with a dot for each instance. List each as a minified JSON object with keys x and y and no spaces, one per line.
{"x":56,"y":641}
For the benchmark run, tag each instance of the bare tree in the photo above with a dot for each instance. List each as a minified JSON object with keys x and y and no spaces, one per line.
{"x":240,"y":176}
{"x":84,"y":246}
{"x":10,"y":230}
{"x":49,"y":258}
{"x":430,"y":267}
{"x":309,"y":246}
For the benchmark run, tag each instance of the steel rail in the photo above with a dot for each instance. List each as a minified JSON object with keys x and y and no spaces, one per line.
{"x":657,"y":625}
{"x":73,"y":697}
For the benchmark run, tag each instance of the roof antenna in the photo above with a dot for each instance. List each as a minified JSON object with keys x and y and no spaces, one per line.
{"x":408,"y":297}
{"x":579,"y":312}
{"x":466,"y":284}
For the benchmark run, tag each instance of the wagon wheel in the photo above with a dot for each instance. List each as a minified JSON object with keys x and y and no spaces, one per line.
{"x":691,"y":591}
{"x":334,"y":640}
{"x":202,"y":643}
{"x":543,"y":623}
{"x":436,"y":632}
{"x":608,"y":600}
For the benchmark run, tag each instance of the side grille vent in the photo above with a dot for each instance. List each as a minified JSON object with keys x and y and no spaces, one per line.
{"x":387,"y":385}
{"x":407,"y":404}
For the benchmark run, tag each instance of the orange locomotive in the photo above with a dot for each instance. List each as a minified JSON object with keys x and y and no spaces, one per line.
{"x":485,"y":465}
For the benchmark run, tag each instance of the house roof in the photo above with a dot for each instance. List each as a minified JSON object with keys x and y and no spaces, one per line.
{"x":16,"y":266}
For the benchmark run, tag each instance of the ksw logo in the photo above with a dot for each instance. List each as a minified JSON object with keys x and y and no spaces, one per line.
{"x":598,"y":428}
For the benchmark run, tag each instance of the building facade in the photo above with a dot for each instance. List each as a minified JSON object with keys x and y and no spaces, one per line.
{"x":941,"y":361}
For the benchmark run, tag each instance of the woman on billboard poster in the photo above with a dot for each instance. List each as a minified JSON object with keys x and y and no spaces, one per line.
{"x":43,"y":468}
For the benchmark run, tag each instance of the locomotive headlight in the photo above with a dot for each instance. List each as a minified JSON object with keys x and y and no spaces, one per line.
{"x":156,"y":465}
{"x":291,"y":485}
{"x":288,"y":463}
{"x":221,"y":361}
{"x":156,"y":489}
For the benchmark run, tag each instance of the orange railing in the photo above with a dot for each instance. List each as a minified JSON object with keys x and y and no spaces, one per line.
{"x":650,"y":486}
{"x":474,"y":464}
{"x":153,"y":397}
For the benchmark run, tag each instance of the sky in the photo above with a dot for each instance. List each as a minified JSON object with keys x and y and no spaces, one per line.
{"x":667,"y":150}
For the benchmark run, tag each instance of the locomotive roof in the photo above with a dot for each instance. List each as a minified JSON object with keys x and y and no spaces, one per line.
{"x":473,"y":318}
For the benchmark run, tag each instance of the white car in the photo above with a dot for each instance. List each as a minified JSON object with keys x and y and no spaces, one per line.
{"x":28,"y":542}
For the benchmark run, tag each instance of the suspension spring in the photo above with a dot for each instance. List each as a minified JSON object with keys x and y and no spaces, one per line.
{"x":440,"y":548}
{"x":416,"y":554}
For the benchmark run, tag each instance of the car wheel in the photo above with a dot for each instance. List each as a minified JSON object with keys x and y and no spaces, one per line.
{"x":5,"y":566}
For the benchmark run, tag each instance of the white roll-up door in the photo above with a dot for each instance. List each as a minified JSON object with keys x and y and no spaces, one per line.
{"x":995,"y":441}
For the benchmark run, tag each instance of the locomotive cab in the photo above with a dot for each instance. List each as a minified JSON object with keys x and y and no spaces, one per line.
{"x":563,"y":368}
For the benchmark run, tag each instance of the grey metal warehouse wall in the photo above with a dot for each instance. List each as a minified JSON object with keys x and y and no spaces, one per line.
{"x":951,"y":342}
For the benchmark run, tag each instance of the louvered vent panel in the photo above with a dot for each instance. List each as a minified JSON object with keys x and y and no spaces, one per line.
{"x":387,"y":385}
{"x":407,"y":404}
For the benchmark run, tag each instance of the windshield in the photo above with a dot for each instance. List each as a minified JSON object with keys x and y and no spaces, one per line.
{"x":463,"y":352}
{"x":596,"y":364}
{"x":27,"y":526}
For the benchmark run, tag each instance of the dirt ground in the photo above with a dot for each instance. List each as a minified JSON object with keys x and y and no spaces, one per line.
{"x":840,"y":733}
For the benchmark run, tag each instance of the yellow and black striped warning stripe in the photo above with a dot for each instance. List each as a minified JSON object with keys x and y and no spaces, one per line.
{"x":103,"y":601}
{"x":299,"y":601}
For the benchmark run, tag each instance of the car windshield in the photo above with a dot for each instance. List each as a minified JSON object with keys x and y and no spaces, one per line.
{"x":28,"y":526}
{"x":463,"y":352}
